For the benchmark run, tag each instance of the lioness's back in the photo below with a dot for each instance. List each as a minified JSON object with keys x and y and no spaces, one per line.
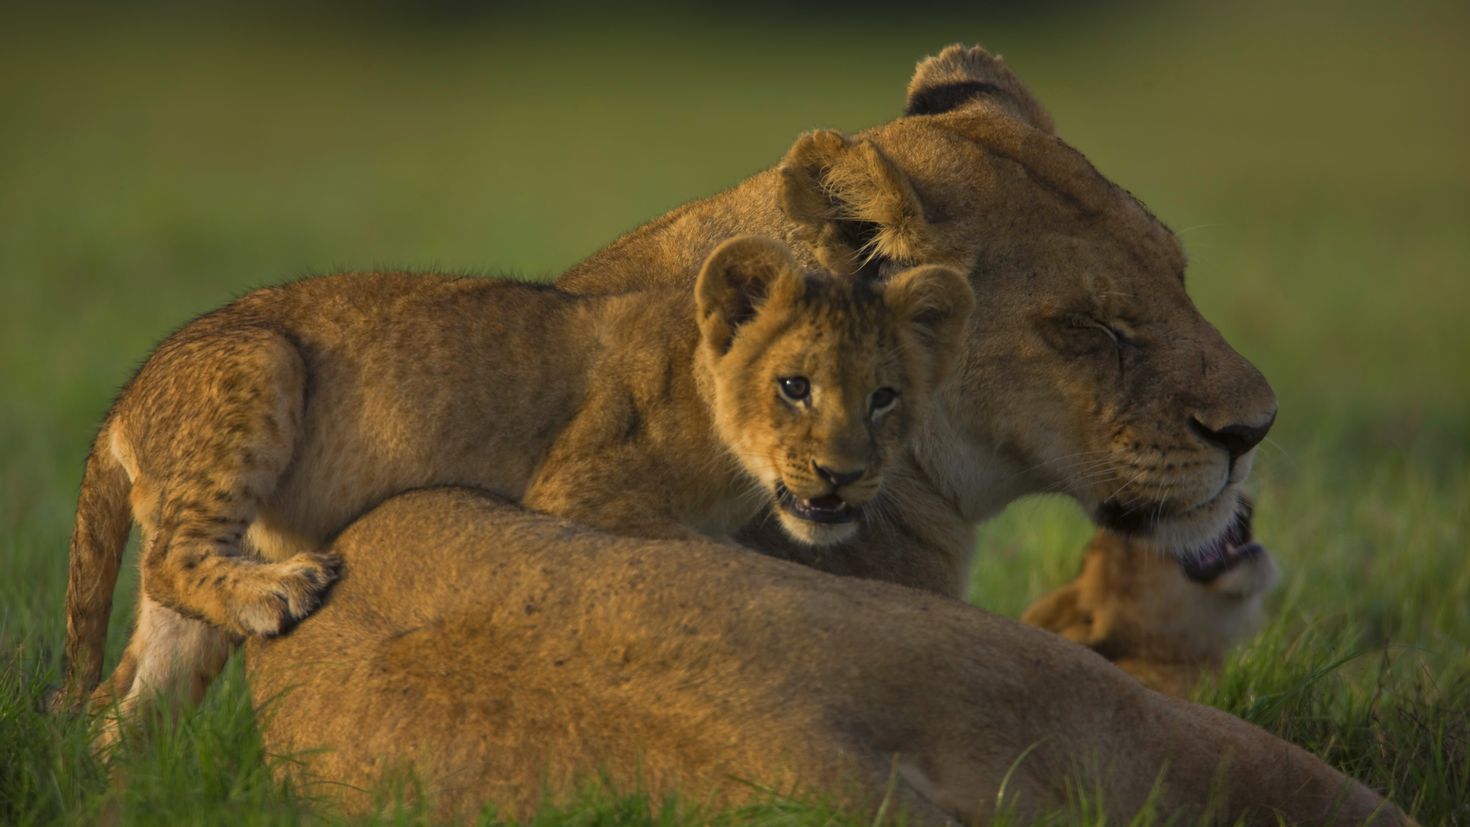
{"x":521,"y":654}
{"x":495,"y":672}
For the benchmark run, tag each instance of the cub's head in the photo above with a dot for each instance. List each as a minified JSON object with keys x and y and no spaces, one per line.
{"x":816,"y":381}
{"x":1162,"y":619}
{"x":1094,"y":374}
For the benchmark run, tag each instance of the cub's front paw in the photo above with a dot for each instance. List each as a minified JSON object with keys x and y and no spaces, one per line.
{"x":277,"y":595}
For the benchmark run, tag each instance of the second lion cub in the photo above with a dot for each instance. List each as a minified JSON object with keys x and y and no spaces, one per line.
{"x":255,"y":433}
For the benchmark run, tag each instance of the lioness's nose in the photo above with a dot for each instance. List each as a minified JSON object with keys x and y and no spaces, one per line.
{"x":838,"y":478}
{"x":1237,"y":437}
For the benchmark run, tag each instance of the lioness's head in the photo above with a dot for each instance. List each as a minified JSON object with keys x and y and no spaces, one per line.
{"x":1093,"y":373}
{"x":816,"y":381}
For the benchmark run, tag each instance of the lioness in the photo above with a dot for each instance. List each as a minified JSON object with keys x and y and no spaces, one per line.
{"x":258,"y":431}
{"x":520,"y":654}
{"x":1094,"y":375}
{"x":1129,"y":604}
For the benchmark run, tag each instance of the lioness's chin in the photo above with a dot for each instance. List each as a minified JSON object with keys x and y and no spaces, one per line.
{"x":1184,"y":534}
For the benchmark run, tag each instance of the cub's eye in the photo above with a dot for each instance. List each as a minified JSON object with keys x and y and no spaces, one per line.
{"x":794,"y":389}
{"x":881,"y":401}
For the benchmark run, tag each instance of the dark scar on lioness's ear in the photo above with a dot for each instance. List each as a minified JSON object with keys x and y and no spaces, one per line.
{"x":948,"y":96}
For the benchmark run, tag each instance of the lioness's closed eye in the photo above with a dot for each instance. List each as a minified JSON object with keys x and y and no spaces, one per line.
{"x":258,"y":431}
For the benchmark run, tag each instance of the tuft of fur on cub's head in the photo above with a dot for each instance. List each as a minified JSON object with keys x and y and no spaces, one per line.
{"x":818,"y":379}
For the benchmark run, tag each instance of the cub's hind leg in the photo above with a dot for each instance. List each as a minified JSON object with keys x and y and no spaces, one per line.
{"x":205,"y":433}
{"x":169,"y":664}
{"x":215,"y":426}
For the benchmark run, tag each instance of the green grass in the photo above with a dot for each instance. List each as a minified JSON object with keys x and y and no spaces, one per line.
{"x":1313,"y":158}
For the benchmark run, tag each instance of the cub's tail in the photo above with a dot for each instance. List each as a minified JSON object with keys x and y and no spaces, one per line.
{"x":97,"y":543}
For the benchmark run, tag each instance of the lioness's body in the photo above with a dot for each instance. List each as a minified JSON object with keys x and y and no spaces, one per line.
{"x":519,"y":654}
{"x":258,"y":431}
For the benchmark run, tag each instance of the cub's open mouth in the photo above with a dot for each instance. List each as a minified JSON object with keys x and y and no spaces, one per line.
{"x":1233,"y":547}
{"x":829,"y":508}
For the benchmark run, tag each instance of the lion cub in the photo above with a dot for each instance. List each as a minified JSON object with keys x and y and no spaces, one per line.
{"x":1164,"y":621}
{"x":258,"y":431}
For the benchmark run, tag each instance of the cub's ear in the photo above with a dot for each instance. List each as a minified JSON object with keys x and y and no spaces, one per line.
{"x":850,"y":203}
{"x":738,"y":278}
{"x":936,"y":302}
{"x":1062,"y":612}
{"x":960,"y":77}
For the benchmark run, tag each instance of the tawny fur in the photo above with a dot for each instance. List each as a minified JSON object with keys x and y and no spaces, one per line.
{"x":499,"y":655}
{"x":1086,"y":371}
{"x":258,"y":431}
{"x":1130,"y":604}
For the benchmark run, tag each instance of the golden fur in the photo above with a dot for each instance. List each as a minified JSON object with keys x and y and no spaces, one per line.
{"x":517,"y":655}
{"x":1088,"y":371}
{"x":258,"y":431}
{"x":714,"y":673}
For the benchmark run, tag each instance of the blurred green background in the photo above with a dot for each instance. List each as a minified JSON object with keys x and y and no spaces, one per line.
{"x":1315,"y":158}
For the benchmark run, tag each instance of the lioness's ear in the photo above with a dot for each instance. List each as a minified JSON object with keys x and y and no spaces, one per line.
{"x":850,"y":203}
{"x":936,"y":302}
{"x":740,"y":276}
{"x":959,"y":77}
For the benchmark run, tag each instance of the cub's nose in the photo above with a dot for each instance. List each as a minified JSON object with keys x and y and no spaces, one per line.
{"x":1236,"y":438}
{"x":838,"y":478}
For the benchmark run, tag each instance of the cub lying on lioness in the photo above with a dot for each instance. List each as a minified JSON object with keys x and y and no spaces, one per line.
{"x":258,"y":431}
